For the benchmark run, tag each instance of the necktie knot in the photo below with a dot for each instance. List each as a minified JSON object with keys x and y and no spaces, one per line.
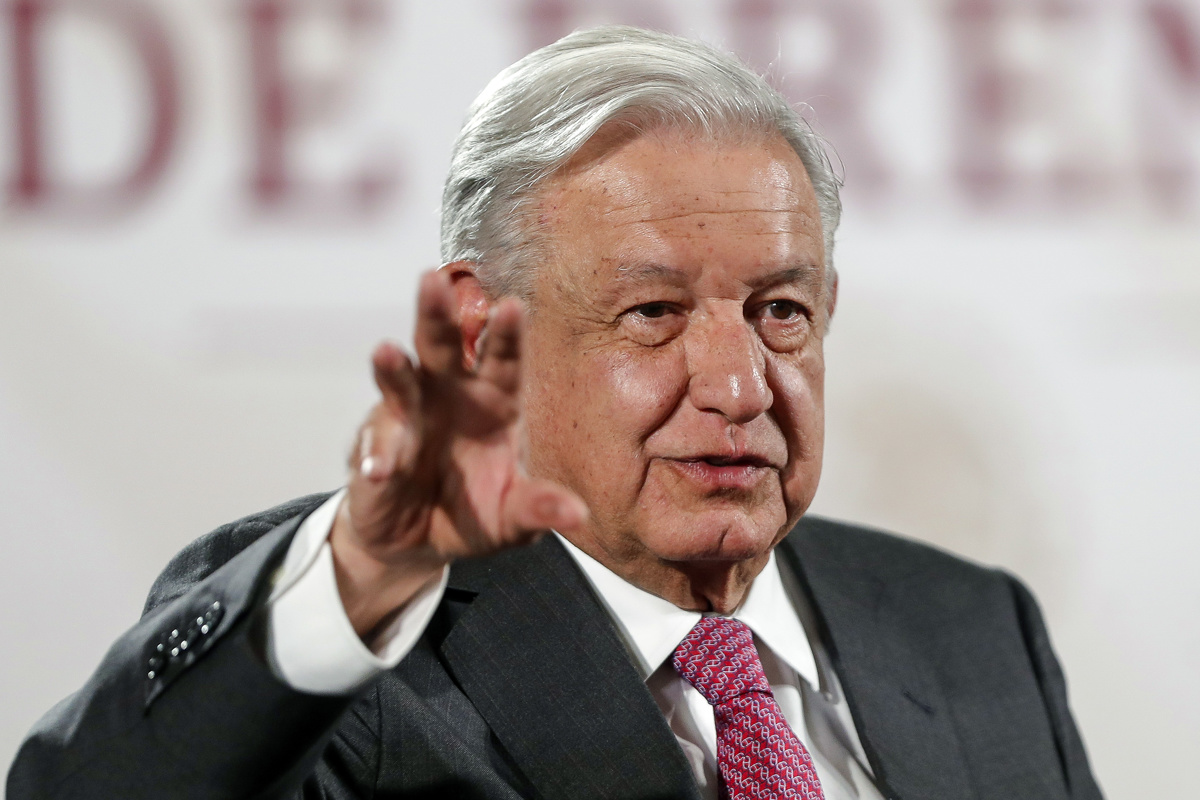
{"x":718,"y":658}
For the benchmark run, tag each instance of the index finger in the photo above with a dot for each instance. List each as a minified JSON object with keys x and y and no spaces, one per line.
{"x":437,"y":337}
{"x":395,"y":377}
{"x":500,"y":350}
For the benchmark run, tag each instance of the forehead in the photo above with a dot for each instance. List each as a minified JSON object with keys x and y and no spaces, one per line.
{"x":662,"y":194}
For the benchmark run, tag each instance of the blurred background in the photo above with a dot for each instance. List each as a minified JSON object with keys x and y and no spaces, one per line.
{"x":211,"y":211}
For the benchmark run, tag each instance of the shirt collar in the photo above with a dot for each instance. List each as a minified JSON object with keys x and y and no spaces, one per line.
{"x":653,"y":627}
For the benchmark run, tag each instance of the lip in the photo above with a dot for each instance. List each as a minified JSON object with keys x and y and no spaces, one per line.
{"x":716,"y":473}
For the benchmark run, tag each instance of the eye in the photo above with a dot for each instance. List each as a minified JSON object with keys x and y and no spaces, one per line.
{"x":784,"y":309}
{"x":652,"y":310}
{"x":654,"y":323}
{"x":783,"y":324}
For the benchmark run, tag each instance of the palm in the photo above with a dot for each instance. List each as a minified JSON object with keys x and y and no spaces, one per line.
{"x":438,"y":472}
{"x":479,"y":472}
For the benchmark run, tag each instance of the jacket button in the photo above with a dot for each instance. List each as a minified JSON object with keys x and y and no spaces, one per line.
{"x":212,"y":615}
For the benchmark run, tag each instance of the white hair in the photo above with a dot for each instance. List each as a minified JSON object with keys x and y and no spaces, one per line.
{"x":537,"y":114}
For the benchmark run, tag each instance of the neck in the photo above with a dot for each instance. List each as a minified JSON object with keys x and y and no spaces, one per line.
{"x":705,"y":586}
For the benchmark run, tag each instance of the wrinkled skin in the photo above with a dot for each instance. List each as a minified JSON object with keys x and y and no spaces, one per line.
{"x":674,"y":358}
{"x":658,"y":401}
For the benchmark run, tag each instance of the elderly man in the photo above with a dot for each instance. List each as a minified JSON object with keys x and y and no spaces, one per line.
{"x":625,"y":348}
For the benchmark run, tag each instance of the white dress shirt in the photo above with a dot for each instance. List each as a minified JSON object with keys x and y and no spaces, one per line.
{"x":311,"y":644}
{"x":796,"y":665}
{"x":313,"y":647}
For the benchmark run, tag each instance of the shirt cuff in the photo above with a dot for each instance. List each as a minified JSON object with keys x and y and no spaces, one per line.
{"x":311,"y":644}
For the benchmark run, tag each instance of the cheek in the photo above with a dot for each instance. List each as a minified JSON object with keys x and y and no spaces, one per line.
{"x":798,"y":386}
{"x":629,"y":397}
{"x":643,"y":389}
{"x":799,"y":389}
{"x":550,"y":398}
{"x":588,"y":415}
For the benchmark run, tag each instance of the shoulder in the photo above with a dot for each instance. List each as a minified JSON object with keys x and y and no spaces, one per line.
{"x":205,"y":555}
{"x":962,"y":616}
{"x":914,"y":581}
{"x":833,"y":543}
{"x":898,"y":610}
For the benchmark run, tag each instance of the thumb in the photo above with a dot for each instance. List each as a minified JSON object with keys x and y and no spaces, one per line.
{"x":537,"y":505}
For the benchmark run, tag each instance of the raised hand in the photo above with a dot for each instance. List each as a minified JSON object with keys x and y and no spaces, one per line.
{"x":434,"y":475}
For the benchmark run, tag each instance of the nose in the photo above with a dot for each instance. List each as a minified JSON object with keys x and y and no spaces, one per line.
{"x":727,"y":368}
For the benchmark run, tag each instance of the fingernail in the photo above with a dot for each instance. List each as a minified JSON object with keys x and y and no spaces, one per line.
{"x":367,"y":467}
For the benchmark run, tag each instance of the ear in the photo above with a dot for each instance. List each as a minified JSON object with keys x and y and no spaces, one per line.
{"x":470,"y":307}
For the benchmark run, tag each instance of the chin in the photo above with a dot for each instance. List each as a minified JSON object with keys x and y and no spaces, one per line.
{"x":715,"y":536}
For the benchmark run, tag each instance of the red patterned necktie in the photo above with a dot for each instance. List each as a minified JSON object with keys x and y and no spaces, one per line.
{"x":758,"y":754}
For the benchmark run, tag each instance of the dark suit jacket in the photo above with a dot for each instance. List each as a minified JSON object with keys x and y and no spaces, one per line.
{"x":521,"y":687}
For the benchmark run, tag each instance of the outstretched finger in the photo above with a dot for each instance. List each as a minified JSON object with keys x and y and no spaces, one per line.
{"x":396,"y":378}
{"x":534,"y":505}
{"x":437,"y":337}
{"x":500,"y":350}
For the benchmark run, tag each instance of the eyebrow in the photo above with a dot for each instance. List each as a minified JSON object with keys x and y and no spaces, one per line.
{"x":650,"y":273}
{"x":808,"y":275}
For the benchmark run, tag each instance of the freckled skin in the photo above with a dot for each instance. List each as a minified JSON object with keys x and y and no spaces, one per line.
{"x":679,"y":322}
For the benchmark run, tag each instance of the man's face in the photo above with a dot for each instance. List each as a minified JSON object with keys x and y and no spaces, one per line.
{"x":674,"y":367}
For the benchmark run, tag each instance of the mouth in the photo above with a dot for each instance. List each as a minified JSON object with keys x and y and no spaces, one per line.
{"x":730,"y":461}
{"x":724,"y":472}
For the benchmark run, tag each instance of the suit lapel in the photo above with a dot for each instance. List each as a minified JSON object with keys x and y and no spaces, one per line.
{"x":539,"y":658}
{"x":899,"y":709}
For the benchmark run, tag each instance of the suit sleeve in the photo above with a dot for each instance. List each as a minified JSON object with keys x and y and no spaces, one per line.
{"x":184,"y":704}
{"x":1080,"y":781}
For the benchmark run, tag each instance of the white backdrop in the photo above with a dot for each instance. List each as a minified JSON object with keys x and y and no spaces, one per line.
{"x":213,"y":210}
